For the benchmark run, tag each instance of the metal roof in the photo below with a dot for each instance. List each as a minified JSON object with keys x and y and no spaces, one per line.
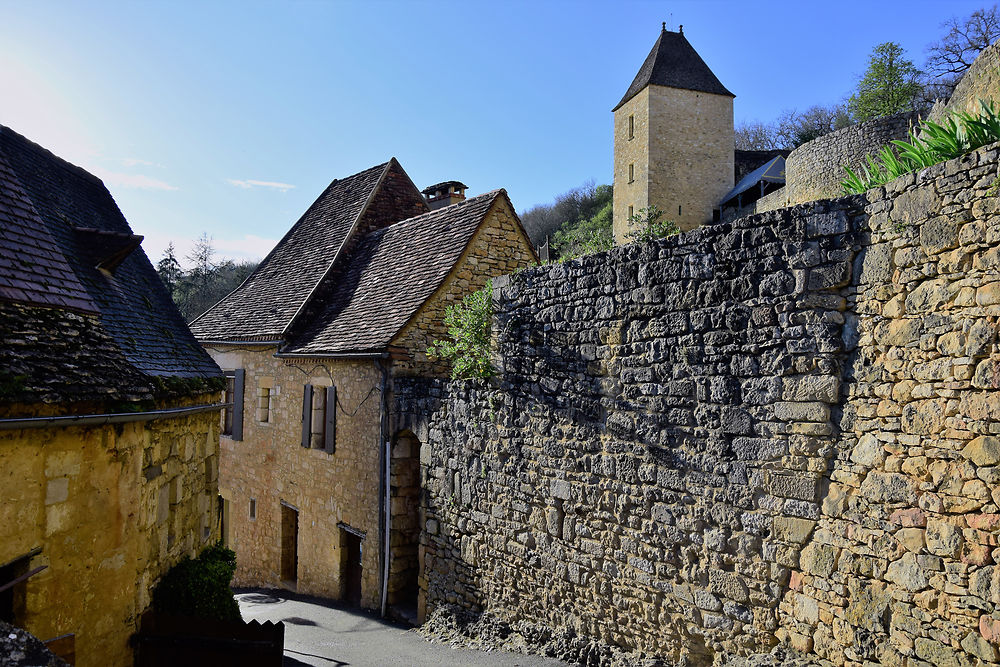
{"x":772,"y":171}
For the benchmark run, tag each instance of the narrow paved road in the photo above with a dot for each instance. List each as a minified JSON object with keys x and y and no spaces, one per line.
{"x":321,"y":633}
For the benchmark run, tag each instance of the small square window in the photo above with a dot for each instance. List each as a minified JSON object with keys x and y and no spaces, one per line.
{"x":264,"y":405}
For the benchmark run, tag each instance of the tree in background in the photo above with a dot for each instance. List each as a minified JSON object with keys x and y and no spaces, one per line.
{"x":578,"y":204}
{"x":585,"y":237}
{"x":794,"y":128}
{"x":198,"y":289}
{"x":756,"y":136}
{"x":948,"y":58}
{"x":169,"y":269}
{"x":890,"y":85}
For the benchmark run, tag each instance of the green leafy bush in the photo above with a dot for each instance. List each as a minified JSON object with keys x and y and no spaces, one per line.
{"x":577,"y":238}
{"x":932,"y":143}
{"x":468,"y":323}
{"x":199,"y":587}
{"x":648,"y":224}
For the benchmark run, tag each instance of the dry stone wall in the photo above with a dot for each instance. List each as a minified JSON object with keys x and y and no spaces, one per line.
{"x":779,"y":429}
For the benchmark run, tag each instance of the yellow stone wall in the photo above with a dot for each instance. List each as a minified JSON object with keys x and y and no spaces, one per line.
{"x":498,"y":248}
{"x":682,"y":152}
{"x":112,"y":508}
{"x":270,"y":466}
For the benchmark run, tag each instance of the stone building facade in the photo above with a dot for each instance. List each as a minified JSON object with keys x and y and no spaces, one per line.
{"x":321,"y":484}
{"x":777,"y":430}
{"x":108,"y":414}
{"x":673,"y":138}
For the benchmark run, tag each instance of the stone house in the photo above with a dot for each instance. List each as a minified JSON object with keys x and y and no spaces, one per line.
{"x":109,"y":413}
{"x":320,"y":483}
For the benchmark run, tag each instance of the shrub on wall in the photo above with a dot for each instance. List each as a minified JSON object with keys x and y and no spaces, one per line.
{"x":200,"y":587}
{"x":468,"y":324}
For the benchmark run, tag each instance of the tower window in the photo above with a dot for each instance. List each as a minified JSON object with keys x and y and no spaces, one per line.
{"x":631,"y":211}
{"x":678,"y":209}
{"x":631,"y":127}
{"x":253,"y":508}
{"x":631,"y":173}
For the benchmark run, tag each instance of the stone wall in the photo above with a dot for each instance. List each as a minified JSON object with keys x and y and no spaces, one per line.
{"x":112,"y":509}
{"x":815,"y":169}
{"x":981,"y":81}
{"x":779,"y":429}
{"x":270,"y":469}
{"x":901,"y":566}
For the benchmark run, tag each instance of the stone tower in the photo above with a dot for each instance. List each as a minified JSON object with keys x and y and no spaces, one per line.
{"x":673,"y":138}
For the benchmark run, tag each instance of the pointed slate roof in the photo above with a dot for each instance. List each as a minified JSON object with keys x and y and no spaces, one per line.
{"x":263,"y":307}
{"x":382,"y":284}
{"x":84,"y":314}
{"x":673,"y":62}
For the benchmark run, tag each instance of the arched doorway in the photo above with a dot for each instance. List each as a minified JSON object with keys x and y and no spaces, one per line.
{"x":404,"y":537}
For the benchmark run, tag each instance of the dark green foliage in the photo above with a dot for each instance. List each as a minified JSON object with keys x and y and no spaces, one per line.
{"x":890,"y":85}
{"x":468,"y":324}
{"x":199,"y":588}
{"x":197,"y":290}
{"x":569,"y":208}
{"x":930,"y":144}
{"x":585,"y":237}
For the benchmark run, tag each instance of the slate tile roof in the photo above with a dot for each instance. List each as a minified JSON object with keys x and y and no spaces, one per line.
{"x":264,"y":305}
{"x":47,"y":262}
{"x":673,"y":62}
{"x":375,"y":290}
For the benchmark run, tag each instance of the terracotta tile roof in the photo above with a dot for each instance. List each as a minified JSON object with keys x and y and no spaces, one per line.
{"x":264,"y":305}
{"x":673,"y":62}
{"x":377,"y":288}
{"x":45,"y":202}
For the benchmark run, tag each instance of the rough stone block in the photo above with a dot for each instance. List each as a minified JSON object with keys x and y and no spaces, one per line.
{"x":983,"y":451}
{"x":791,"y":529}
{"x":806,"y":412}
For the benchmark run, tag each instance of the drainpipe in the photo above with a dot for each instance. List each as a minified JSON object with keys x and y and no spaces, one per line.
{"x":385,"y":461}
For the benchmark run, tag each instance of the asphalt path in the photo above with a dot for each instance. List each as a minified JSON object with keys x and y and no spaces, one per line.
{"x":323,"y":633}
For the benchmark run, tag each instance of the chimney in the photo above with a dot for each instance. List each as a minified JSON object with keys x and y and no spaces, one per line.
{"x":444,"y":194}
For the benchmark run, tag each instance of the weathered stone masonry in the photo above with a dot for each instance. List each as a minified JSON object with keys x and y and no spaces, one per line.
{"x":777,"y":429}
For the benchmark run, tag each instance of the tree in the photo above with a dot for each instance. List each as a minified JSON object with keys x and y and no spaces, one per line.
{"x":756,"y":136}
{"x":962,"y":43}
{"x":572,"y":207}
{"x":795,"y":129}
{"x":169,"y":269}
{"x":890,"y":85}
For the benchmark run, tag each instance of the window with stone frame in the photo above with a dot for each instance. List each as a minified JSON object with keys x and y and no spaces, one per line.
{"x":264,"y":404}
{"x":319,"y":418}
{"x":631,"y":127}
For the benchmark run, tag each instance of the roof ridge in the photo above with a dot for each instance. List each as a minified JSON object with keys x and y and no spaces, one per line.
{"x":451,"y":208}
{"x":386,"y":167}
{"x":263,"y":265}
{"x":38,"y":148}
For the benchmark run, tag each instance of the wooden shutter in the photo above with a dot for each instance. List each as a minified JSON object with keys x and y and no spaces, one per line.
{"x":239,"y":380}
{"x":307,"y":402}
{"x":330,"y":432}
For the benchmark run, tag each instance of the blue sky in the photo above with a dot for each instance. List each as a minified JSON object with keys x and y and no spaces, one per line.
{"x":231,"y":117}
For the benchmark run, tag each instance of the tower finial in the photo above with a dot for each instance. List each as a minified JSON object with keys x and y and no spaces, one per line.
{"x":664,"y":26}
{"x":682,"y":29}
